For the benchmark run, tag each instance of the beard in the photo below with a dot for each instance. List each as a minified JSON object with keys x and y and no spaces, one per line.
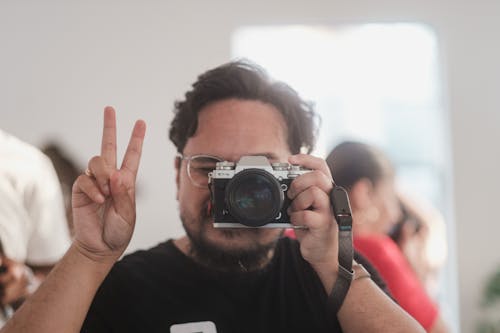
{"x":216,"y":256}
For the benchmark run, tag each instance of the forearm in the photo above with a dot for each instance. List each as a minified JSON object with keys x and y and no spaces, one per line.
{"x":62,"y":301}
{"x":367,"y":308}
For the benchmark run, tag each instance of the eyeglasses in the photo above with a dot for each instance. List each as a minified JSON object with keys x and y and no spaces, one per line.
{"x":198,"y":168}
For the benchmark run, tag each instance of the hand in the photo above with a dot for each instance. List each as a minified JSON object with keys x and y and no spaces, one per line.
{"x":104,"y":200}
{"x":413,"y":244}
{"x":14,"y":282}
{"x":311,"y":208}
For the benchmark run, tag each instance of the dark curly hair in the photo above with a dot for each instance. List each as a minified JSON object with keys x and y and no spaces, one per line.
{"x":247,"y":81}
{"x":351,"y":161}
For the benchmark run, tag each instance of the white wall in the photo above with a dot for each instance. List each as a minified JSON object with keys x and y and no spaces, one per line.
{"x":61,"y":62}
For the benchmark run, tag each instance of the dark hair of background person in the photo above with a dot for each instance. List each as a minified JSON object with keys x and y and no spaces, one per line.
{"x":247,"y":81}
{"x":351,"y":161}
{"x":407,"y":217}
{"x":67,"y":171}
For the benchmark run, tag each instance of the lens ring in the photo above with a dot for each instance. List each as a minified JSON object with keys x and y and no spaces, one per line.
{"x":254,"y":197}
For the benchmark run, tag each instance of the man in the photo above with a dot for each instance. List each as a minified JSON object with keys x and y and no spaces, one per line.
{"x":33,"y":230}
{"x":211,"y":280}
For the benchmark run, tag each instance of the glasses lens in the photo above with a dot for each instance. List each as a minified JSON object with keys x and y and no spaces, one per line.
{"x":199,"y":167}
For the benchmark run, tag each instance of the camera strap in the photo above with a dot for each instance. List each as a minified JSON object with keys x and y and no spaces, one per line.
{"x":342,"y":212}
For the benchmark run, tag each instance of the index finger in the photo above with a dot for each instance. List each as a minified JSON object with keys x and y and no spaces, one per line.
{"x":108,"y":145}
{"x":311,"y":162}
{"x":134,"y":149}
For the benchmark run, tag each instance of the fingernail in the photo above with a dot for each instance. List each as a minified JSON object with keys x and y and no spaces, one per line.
{"x":106,"y":189}
{"x":100,"y":198}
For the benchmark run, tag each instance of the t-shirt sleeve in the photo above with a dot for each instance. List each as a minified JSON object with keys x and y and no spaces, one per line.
{"x":103,"y":307}
{"x":375,"y":275}
{"x":400,"y":278}
{"x":95,"y":323}
{"x":115,"y":306}
{"x":49,"y":237}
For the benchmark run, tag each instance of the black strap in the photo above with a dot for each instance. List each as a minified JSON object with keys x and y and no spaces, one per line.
{"x":342,"y":211}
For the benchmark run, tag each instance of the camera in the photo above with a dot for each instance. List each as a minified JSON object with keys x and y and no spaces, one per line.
{"x":252,"y":192}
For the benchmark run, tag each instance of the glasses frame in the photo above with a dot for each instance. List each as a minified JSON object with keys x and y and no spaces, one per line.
{"x":188,"y":166}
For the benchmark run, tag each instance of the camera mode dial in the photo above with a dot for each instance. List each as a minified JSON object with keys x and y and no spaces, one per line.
{"x":280,"y":166}
{"x":295,"y":171}
{"x":225,"y":165}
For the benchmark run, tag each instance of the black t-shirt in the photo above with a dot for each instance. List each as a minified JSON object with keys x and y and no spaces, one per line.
{"x":149,"y":291}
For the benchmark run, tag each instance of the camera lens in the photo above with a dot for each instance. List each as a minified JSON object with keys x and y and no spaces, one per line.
{"x":254,"y":197}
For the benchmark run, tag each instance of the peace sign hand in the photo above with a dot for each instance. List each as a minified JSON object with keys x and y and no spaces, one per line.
{"x":104,"y":197}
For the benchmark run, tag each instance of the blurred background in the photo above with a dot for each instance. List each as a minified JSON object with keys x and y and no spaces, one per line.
{"x":419,"y":79}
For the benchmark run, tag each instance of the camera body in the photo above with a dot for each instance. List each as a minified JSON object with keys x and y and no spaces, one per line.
{"x":252,"y":193}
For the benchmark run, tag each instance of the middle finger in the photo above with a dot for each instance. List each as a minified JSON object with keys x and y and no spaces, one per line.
{"x":312,"y":198}
{"x":108,"y":145}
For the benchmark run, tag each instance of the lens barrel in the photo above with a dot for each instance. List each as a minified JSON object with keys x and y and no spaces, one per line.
{"x":254,"y":197}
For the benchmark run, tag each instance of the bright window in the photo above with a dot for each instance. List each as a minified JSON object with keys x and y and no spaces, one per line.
{"x":377,"y":83}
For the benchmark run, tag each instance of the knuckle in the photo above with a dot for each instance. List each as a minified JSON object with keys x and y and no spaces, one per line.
{"x":94,"y":192}
{"x":109,"y":145}
{"x":294,"y":206}
{"x":78,"y":182}
{"x":300,"y":217}
{"x":127,"y":169}
{"x":94,"y":160}
{"x":319,"y":175}
{"x":317,"y":160}
{"x":306,"y":215}
{"x":134,"y":150}
{"x":297,"y":202}
{"x":316,"y":191}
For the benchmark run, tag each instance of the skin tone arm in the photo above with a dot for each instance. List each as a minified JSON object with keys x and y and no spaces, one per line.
{"x":104,"y":219}
{"x":366,"y":308}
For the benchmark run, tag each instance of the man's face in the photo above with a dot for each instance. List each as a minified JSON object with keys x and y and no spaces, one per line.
{"x":230,"y":129}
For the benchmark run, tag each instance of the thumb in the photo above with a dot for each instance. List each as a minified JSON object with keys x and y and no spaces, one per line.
{"x":123,"y":203}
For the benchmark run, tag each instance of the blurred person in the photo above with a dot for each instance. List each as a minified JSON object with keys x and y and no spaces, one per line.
{"x":33,"y":229}
{"x":421,"y":235}
{"x":211,"y":279}
{"x":67,"y":172}
{"x":369,"y":177}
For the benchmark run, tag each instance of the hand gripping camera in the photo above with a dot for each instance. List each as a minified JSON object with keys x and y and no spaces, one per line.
{"x":252,"y":193}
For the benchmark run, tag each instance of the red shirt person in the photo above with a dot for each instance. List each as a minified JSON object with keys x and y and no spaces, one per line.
{"x":368,"y":176}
